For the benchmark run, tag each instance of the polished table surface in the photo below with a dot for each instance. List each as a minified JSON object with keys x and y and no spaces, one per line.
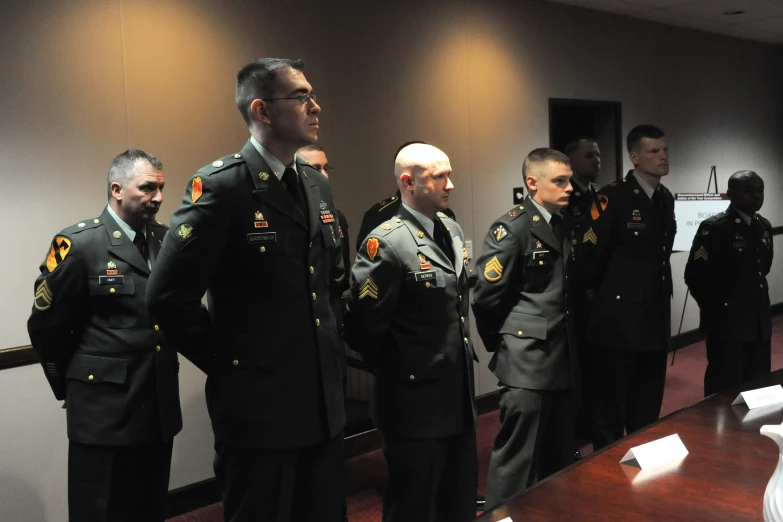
{"x":723,"y":477}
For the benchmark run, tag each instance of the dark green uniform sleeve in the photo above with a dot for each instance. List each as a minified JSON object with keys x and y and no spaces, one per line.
{"x":190,"y":255}
{"x":60,"y":298}
{"x":699,"y":273}
{"x":375,"y":286}
{"x":503,"y":249}
{"x":595,"y":245}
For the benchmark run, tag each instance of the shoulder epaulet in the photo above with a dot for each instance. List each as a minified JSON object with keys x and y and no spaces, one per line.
{"x":515,"y":212}
{"x":766,"y":222}
{"x":386,"y":202}
{"x":707,"y":223}
{"x":82,"y":226}
{"x":157,"y":223}
{"x":222,"y":164}
{"x":386,"y":227}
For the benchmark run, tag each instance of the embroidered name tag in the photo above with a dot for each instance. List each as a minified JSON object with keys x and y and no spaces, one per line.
{"x":111,"y":280}
{"x":424,"y":276}
{"x":262,"y":237}
{"x":740,"y":244}
{"x":637,"y":226}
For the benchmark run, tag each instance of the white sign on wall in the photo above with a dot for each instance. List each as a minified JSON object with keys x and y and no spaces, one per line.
{"x":690,"y":210}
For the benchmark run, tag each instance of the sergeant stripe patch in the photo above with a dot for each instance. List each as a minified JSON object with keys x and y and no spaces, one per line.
{"x":368,"y":289}
{"x":43,"y":297}
{"x":590,"y":237}
{"x":493,"y":271}
{"x":702,"y":254}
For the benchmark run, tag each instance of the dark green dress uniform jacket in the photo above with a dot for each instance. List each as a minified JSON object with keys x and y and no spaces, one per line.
{"x":521,"y":303}
{"x":409,"y":319}
{"x":727,"y":275}
{"x":624,"y":267}
{"x":99,"y":349}
{"x":269,"y":343}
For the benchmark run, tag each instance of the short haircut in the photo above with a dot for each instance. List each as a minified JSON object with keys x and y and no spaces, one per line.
{"x":121,"y":169}
{"x":574,"y":144}
{"x":537,"y":157}
{"x":257,"y":80}
{"x":741,"y":176}
{"x":313,"y":147}
{"x":640,"y":132}
{"x":399,"y":149}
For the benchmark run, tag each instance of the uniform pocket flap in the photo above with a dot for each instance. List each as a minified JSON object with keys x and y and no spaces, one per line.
{"x":112,"y":285}
{"x":525,"y":326}
{"x":96,"y":369}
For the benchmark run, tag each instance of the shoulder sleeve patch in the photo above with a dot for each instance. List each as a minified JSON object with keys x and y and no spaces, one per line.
{"x":61,"y":247}
{"x":599,"y":206}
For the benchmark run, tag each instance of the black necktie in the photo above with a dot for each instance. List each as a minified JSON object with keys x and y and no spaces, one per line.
{"x":442,"y":240}
{"x":658,"y":203}
{"x":141,"y":243}
{"x":557,"y":227}
{"x":291,"y":182}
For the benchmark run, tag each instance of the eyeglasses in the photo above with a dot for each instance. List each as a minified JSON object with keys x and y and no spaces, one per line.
{"x":328,"y":168}
{"x":303,"y":98}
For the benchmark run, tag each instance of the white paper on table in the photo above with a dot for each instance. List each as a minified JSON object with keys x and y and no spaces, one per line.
{"x":656,"y":452}
{"x":507,"y":519}
{"x":760,"y":397}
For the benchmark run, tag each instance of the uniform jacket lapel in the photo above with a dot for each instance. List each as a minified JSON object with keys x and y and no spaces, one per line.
{"x":270,"y":190}
{"x":154,"y":241}
{"x":456,"y":243}
{"x":426,"y":244}
{"x":541,"y":229}
{"x":642,"y":201}
{"x":313,"y":195}
{"x":122,"y":246}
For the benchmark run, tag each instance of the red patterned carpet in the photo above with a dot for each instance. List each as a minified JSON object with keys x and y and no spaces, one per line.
{"x":366,"y":474}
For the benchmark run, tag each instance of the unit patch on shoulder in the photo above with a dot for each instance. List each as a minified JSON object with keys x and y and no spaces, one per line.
{"x":43,"y":297}
{"x":493,"y":271}
{"x":196,"y":190}
{"x":372,"y":247}
{"x":499,"y":233}
{"x":702,"y":254}
{"x":368,"y":289}
{"x":590,"y":237}
{"x":60,"y":248}
{"x":595,"y":210}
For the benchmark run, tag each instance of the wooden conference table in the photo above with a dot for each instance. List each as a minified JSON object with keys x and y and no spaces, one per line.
{"x":722,"y":478}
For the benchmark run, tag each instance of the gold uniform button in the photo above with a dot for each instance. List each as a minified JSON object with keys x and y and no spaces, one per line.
{"x":311,"y":244}
{"x":157,"y":328}
{"x":96,"y":220}
{"x":725,"y":304}
{"x":234,"y":363}
{"x":112,"y":291}
{"x":412,"y":378}
{"x":318,"y":322}
{"x":636,"y":233}
{"x":91,"y":378}
{"x":314,"y":296}
{"x":460,"y":298}
{"x":465,"y":339}
{"x":618,"y":297}
{"x":262,"y":249}
{"x":663,"y":278}
{"x":540,"y":262}
{"x":462,"y":319}
{"x":312,"y":270}
{"x":520,"y":333}
{"x":157,"y":348}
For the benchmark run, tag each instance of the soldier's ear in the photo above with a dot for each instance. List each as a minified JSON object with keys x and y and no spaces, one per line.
{"x":116,"y":191}
{"x":407,"y":179}
{"x":634,"y":156}
{"x":258,"y":111}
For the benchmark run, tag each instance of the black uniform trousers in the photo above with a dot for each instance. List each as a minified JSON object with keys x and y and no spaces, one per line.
{"x":629,"y":392}
{"x":281,"y":485}
{"x":118,"y":483}
{"x":431,"y":480}
{"x":731,"y":363}
{"x":536,"y":437}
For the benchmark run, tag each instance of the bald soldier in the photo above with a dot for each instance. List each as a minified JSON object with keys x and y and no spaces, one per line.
{"x":409,"y":320}
{"x":727,"y":275}
{"x":522,"y":311}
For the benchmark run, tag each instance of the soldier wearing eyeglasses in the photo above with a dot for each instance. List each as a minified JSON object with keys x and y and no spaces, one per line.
{"x":257,"y":232}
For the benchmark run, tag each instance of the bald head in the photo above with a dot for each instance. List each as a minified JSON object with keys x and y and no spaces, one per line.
{"x":746,"y":191}
{"x":423,"y":177}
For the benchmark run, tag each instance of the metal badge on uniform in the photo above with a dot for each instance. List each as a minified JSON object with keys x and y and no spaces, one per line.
{"x":637,"y":216}
{"x":536,"y":218}
{"x":539,"y":245}
{"x":372,"y":247}
{"x":420,"y":234}
{"x":196,"y":190}
{"x":386,"y":226}
{"x":117,"y":234}
{"x":512,"y":213}
{"x":111,"y":268}
{"x":424,"y":264}
{"x":263,"y":176}
{"x":326,"y":214}
{"x":261,"y":237}
{"x":425,"y":276}
{"x":259,"y":222}
{"x":637,"y":226}
{"x":500,"y":233}
{"x":635,"y":191}
{"x":111,"y":280}
{"x":322,"y":205}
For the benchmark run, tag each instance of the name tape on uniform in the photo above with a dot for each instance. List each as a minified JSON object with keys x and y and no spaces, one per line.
{"x":760,"y":397}
{"x":655,"y":453}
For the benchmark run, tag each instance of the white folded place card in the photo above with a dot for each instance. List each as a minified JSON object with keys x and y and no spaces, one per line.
{"x":656,"y":452}
{"x":507,"y":519}
{"x":760,"y":397}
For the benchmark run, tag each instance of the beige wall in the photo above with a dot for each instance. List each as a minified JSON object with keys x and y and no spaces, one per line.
{"x":85,"y":79}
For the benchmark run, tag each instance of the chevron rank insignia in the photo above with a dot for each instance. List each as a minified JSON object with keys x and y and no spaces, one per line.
{"x":499,"y":233}
{"x":590,"y":237}
{"x":372,"y":248}
{"x":595,"y":211}
{"x":368,"y":289}
{"x":60,"y":248}
{"x":493,"y":271}
{"x":43,"y":297}
{"x":702,"y":254}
